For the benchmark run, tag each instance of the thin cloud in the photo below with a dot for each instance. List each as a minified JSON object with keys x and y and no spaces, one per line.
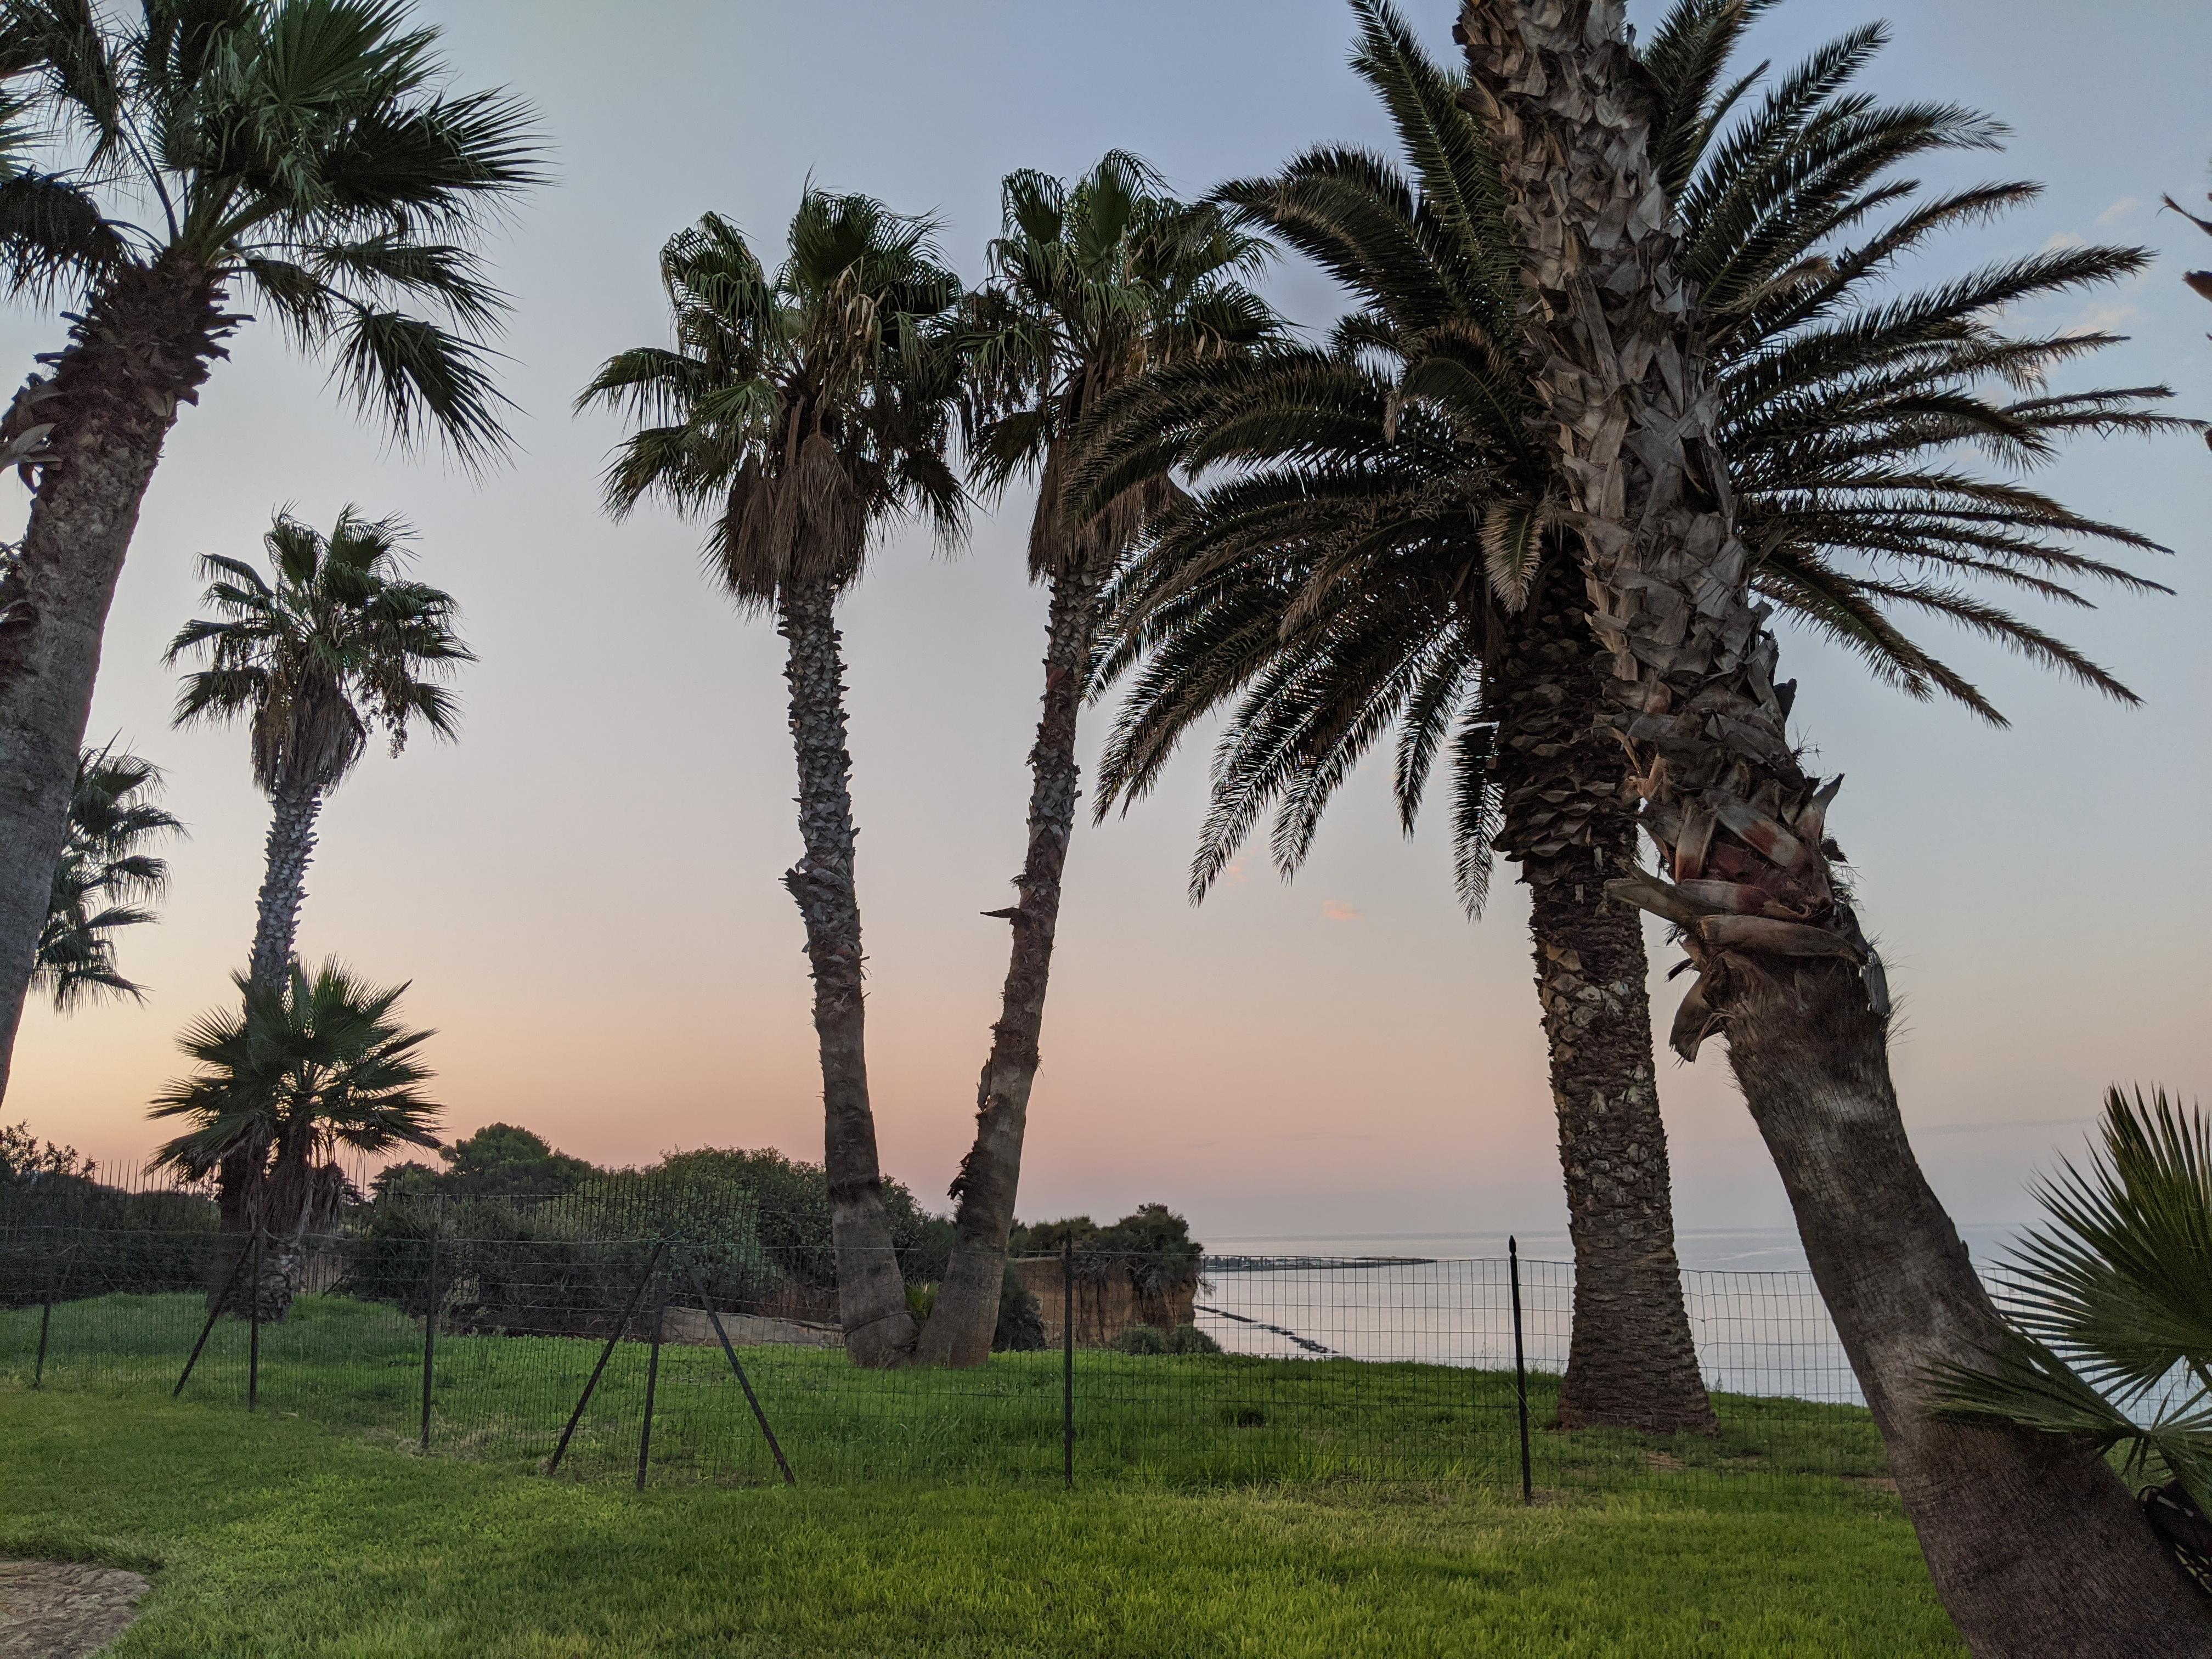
{"x":2064,"y":238}
{"x":2118,"y":211}
{"x":1338,"y":910}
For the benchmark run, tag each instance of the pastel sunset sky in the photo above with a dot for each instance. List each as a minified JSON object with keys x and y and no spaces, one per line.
{"x":584,"y":890}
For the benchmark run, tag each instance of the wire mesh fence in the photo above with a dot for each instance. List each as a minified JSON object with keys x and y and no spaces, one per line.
{"x":670,"y":1354}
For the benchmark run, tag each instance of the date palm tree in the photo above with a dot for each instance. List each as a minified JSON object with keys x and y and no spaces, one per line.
{"x":339,"y":644}
{"x":2033,"y":1544}
{"x":301,"y":1068}
{"x":805,"y":411}
{"x":1091,"y":284}
{"x":1388,"y":555}
{"x":105,"y":879}
{"x":2200,"y":281}
{"x":304,"y":157}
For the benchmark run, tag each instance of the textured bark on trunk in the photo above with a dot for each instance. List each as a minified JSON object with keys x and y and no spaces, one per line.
{"x":965,"y":1315}
{"x":293,"y":810}
{"x":2035,"y":1547}
{"x":1630,"y":1362}
{"x":141,"y":348}
{"x":879,"y":1330}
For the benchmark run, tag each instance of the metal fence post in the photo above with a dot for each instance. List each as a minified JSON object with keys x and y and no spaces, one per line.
{"x":744,"y":1381}
{"x":214,"y":1312}
{"x":637,"y":1295}
{"x":652,"y":1384}
{"x":1520,"y":1368}
{"x":430,"y":1322}
{"x":253,"y":1338}
{"x":46,"y":1320}
{"x":1067,"y":1362}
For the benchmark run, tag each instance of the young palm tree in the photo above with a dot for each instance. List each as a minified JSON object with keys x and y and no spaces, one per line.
{"x":106,"y":877}
{"x":338,"y":644}
{"x":2111,"y":1304}
{"x":2035,"y":1544}
{"x":304,"y":1067}
{"x":805,"y":411}
{"x":1091,"y":285}
{"x":303,"y":155}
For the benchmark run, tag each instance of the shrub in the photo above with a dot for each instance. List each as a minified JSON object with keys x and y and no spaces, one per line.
{"x":1021,"y":1319}
{"x":1188,"y":1339}
{"x":1141,"y":1339}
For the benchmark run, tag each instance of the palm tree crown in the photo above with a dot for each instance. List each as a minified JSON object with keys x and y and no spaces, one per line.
{"x":1391,"y":504}
{"x":106,"y":875}
{"x":803,"y":409}
{"x":304,"y":1067}
{"x":304,"y":149}
{"x":338,"y":644}
{"x":1091,"y":285}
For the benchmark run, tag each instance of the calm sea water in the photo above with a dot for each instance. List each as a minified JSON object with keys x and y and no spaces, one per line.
{"x":1448,"y":1299}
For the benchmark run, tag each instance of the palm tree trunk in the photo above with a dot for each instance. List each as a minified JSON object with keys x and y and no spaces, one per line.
{"x":2034,"y":1546}
{"x":879,"y":1330}
{"x":295,"y":808}
{"x":141,"y":348}
{"x":966,"y":1314}
{"x":1630,"y":1362}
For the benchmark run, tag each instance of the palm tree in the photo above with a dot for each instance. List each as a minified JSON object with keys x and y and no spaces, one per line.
{"x":303,"y":1067}
{"x":337,"y":645}
{"x":2110,"y":1305}
{"x":805,"y":411}
{"x":304,"y":156}
{"x":1390,"y":556}
{"x":1091,"y":285}
{"x":2201,"y":280}
{"x":2034,"y":1546}
{"x":105,"y":878}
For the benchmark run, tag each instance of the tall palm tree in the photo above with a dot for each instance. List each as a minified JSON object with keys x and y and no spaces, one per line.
{"x":1385,"y":558}
{"x":1091,"y":284}
{"x":105,"y":879}
{"x":1390,"y":555}
{"x":2201,"y":280}
{"x":2033,"y":1544}
{"x":304,"y":156}
{"x":805,"y":411}
{"x":339,"y":644}
{"x":301,"y":1068}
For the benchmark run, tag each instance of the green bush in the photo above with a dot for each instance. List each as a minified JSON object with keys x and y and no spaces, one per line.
{"x":1021,"y":1321}
{"x":1141,"y":1339}
{"x":1188,"y":1339}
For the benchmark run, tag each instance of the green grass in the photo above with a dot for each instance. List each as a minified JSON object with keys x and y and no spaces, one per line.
{"x":1163,"y":1421}
{"x":274,"y":1536}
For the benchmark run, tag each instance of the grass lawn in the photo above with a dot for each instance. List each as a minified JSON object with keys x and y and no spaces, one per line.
{"x":274,"y":1535}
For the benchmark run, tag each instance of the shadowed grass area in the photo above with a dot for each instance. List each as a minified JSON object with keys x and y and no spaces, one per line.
{"x":1165,"y":1420}
{"x":271,"y":1536}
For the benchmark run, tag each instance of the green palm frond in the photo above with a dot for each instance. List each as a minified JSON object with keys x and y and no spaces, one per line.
{"x":339,"y":644}
{"x":104,"y":877}
{"x":307,"y":150}
{"x":1879,"y":437}
{"x":2109,"y":1302}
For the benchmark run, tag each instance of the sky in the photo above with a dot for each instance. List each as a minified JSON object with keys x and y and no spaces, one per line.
{"x":583,"y":890}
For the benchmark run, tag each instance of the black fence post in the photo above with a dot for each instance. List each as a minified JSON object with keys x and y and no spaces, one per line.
{"x":47,"y":1317}
{"x":430,"y":1322}
{"x":744,"y":1381}
{"x":637,"y":1295}
{"x":1067,"y":1362}
{"x":253,"y":1337}
{"x":652,"y":1384}
{"x":1520,"y":1368}
{"x":214,"y":1312}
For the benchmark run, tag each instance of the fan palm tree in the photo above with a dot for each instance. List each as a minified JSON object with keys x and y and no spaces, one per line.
{"x":105,"y":878}
{"x":303,"y":156}
{"x":1091,"y":284}
{"x":2110,"y":1303}
{"x":338,"y":644}
{"x":805,"y":411}
{"x":301,"y":1068}
{"x":1390,"y":555}
{"x":2034,"y":1546}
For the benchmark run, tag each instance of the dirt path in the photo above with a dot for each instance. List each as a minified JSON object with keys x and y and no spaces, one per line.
{"x":64,"y":1609}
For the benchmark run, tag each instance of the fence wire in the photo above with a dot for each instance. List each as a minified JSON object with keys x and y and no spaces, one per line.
{"x":1259,"y":1370}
